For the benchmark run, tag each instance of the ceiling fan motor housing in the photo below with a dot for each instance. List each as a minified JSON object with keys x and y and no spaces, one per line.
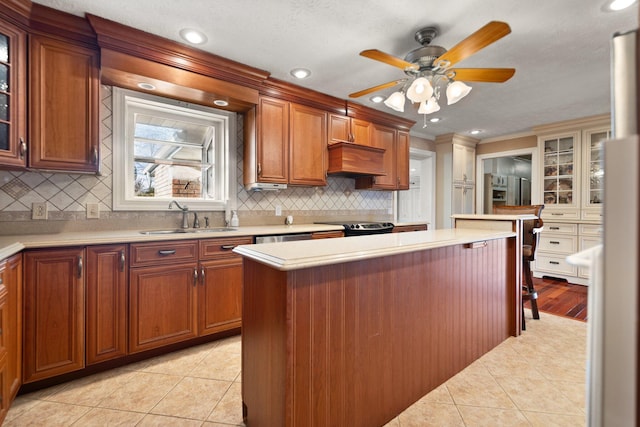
{"x":425,"y":55}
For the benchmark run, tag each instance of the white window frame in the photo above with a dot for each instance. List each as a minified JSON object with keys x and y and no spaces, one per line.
{"x":224,"y":122}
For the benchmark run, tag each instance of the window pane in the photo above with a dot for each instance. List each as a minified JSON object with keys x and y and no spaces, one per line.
{"x":165,"y":181}
{"x":4,"y":107}
{"x":4,"y":78}
{"x":4,"y":136}
{"x":4,"y":48}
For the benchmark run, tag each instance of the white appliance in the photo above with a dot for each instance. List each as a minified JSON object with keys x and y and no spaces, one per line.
{"x":612,"y":389}
{"x":513,"y":190}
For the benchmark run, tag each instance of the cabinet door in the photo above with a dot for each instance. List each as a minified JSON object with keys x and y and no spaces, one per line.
{"x":385,"y":137}
{"x":402,"y":161}
{"x":273,"y":140}
{"x":13,"y":96}
{"x":13,"y":330}
{"x":162,"y":305}
{"x":53,"y":312}
{"x":220,"y":295}
{"x":338,"y":128}
{"x":307,"y":146}
{"x":463,"y":163}
{"x":593,"y":172}
{"x":560,"y":172}
{"x":361,"y":132}
{"x":63,"y":105}
{"x":106,"y":302}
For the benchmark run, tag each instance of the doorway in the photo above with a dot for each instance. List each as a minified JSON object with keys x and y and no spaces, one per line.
{"x":506,"y":178}
{"x":418,"y":203}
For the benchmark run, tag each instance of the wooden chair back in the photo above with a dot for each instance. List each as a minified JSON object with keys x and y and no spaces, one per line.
{"x":530,"y":236}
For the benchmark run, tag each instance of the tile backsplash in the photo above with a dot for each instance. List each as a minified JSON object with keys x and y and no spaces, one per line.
{"x":67,"y":196}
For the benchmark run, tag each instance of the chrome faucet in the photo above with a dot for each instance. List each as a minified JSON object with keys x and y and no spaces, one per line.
{"x":185,"y":213}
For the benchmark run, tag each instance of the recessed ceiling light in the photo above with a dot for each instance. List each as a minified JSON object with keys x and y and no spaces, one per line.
{"x":377,"y":99}
{"x":300,"y":73}
{"x":220,"y":102}
{"x":475,"y":131}
{"x":146,"y":86}
{"x":435,"y":119}
{"x":616,"y":5}
{"x":193,"y":36}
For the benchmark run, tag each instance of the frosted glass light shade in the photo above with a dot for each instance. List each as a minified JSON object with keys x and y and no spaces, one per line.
{"x":395,"y":101}
{"x":456,"y":91}
{"x":420,"y":90}
{"x":428,"y":107}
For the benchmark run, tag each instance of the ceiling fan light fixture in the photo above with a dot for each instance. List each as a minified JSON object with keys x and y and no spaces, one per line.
{"x":420,"y":90}
{"x":456,"y":91}
{"x":377,"y":99}
{"x":395,"y":101}
{"x":616,"y":5}
{"x":428,"y":107}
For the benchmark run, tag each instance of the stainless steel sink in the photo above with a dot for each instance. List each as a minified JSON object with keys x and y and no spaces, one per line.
{"x":188,"y":230}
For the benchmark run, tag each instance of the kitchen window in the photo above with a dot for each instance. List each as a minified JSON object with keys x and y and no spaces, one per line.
{"x":166,"y":150}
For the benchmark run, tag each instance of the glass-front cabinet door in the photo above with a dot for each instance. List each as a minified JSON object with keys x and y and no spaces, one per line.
{"x":593,"y":175}
{"x":12,"y":96}
{"x":560,"y":175}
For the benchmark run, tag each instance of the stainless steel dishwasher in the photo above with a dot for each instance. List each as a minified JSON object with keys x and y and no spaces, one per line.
{"x":276,"y":238}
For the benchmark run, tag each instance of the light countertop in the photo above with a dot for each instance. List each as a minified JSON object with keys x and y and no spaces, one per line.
{"x":311,"y":253}
{"x":10,"y":245}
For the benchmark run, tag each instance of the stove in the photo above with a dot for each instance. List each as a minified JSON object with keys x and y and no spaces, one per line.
{"x":361,"y":228}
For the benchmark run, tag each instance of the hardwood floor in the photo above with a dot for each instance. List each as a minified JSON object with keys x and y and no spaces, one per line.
{"x":558,"y":297}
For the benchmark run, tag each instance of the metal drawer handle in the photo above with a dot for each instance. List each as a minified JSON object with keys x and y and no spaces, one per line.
{"x":202,"y":275}
{"x":553,"y":242}
{"x":23,"y":148}
{"x":195,"y":276}
{"x":79,"y":267}
{"x":166,"y":252}
{"x":554,"y":228}
{"x":122,"y":261}
{"x":554,"y":262}
{"x":557,"y":214}
{"x":227,"y":247}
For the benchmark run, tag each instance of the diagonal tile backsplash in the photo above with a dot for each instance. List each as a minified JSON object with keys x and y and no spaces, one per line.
{"x":67,"y":195}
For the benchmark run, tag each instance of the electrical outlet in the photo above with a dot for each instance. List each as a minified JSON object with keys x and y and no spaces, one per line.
{"x":278,"y":210}
{"x":93,"y":211}
{"x":39,"y":210}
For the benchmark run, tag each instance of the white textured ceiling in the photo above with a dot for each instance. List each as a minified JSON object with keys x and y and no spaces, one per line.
{"x":560,"y":48}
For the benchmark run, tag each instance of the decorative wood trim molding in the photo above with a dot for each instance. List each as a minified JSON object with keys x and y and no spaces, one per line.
{"x":359,"y":111}
{"x":124,"y":70}
{"x":16,"y":11}
{"x":54,"y":23}
{"x":293,"y":93}
{"x":455,"y":138}
{"x":130,"y":41}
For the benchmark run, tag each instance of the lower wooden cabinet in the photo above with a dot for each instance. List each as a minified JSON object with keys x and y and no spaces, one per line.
{"x":13,"y":329}
{"x":53,"y":312}
{"x":106,"y":321}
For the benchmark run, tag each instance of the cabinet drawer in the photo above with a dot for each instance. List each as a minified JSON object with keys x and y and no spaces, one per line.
{"x":560,"y":227}
{"x":554,"y":214}
{"x":220,"y":248}
{"x":558,"y":244}
{"x":553,"y":264}
{"x":591,"y":229}
{"x":162,"y":252}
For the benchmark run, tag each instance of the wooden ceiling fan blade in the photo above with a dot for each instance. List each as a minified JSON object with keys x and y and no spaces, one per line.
{"x":376,"y":88}
{"x":490,"y":33}
{"x":387,"y":59}
{"x":491,"y":75}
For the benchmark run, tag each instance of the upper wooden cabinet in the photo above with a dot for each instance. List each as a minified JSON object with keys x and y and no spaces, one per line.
{"x":13,"y":96}
{"x":63,"y":106}
{"x":342,"y":128}
{"x":289,"y":145}
{"x":49,"y":82}
{"x":395,"y":160}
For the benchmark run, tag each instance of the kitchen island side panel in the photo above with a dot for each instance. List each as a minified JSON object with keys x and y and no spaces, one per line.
{"x":366,"y":339}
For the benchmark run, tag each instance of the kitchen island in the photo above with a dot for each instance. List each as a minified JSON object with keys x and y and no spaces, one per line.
{"x":351,"y":332}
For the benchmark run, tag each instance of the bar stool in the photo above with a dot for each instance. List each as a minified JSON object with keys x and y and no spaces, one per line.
{"x":531,"y":234}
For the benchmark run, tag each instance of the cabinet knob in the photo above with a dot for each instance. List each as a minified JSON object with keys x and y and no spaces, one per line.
{"x":195,"y":276}
{"x":122,"y":261}
{"x":79,"y":267}
{"x":94,"y":156}
{"x":259,"y":169}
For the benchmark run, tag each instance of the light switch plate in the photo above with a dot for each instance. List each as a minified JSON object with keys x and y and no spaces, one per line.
{"x":93,"y":211}
{"x":39,"y":210}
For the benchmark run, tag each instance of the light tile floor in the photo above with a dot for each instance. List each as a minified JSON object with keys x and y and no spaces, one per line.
{"x":536,"y":379}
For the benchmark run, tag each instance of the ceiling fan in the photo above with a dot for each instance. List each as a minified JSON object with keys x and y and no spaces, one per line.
{"x":429,"y":68}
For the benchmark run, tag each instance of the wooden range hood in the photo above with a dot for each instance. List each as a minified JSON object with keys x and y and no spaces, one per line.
{"x":351,"y":159}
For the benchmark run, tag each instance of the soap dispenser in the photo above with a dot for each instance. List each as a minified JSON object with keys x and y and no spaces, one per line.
{"x":234,"y":219}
